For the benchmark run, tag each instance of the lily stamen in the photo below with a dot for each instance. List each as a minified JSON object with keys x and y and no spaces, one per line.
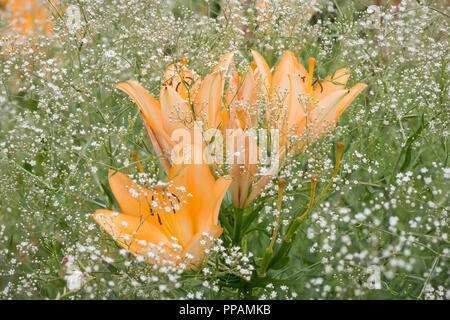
{"x":183,"y":61}
{"x":311,"y":63}
{"x":135,"y":157}
{"x":318,"y":81}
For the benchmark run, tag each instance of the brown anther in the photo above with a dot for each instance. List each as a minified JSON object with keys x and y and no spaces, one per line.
{"x":315,"y":81}
{"x":150,"y":207}
{"x":176,"y":198}
{"x":188,"y":78}
{"x":159,"y":219}
{"x":340,"y":145}
{"x":176,"y":89}
{"x":314,"y":177}
{"x":320,"y":84}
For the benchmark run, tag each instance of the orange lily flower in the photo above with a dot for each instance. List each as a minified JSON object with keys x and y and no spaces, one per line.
{"x":304,"y":106}
{"x":184,"y":98}
{"x":167,"y":223}
{"x":303,"y":103}
{"x":240,"y":98}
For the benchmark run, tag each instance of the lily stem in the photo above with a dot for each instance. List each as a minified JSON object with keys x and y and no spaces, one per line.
{"x":237,"y":225}
{"x":292,"y":231}
{"x":269,"y":250}
{"x":340,"y":148}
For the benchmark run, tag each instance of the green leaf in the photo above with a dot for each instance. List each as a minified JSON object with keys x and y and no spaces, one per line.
{"x":282,"y":262}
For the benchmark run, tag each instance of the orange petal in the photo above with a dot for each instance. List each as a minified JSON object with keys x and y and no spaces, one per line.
{"x":209,"y":99}
{"x":332,"y":83}
{"x":170,"y":73}
{"x":352,"y":94}
{"x":264,"y":180}
{"x":151,"y":110}
{"x":323,"y":116}
{"x":233,"y":88}
{"x":196,"y":249}
{"x":220,"y":188}
{"x":264,"y":73}
{"x":223,"y":118}
{"x":245,"y":96}
{"x":199,"y":182}
{"x":224,"y":62}
{"x":123,"y":187}
{"x":288,"y":65}
{"x":174,"y":76}
{"x":296,"y":109}
{"x":129,"y":231}
{"x":149,"y":106}
{"x":174,"y":109}
{"x":247,"y":92}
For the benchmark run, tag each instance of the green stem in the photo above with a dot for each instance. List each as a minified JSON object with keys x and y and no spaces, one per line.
{"x":269,"y":251}
{"x":237,"y":226}
{"x":340,"y":148}
{"x":290,"y":235}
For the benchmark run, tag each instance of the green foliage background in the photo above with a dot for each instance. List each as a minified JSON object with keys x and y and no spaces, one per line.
{"x":63,"y":125}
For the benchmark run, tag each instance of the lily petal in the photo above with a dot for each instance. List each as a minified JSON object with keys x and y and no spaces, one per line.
{"x":149,"y":106}
{"x":220,"y":188}
{"x":198,"y":181}
{"x":265,"y":75}
{"x":123,"y":187}
{"x":209,"y":98}
{"x":129,"y":231}
{"x":174,"y":110}
{"x":288,"y":65}
{"x":224,"y":62}
{"x":332,"y":83}
{"x":324,"y":115}
{"x":296,"y":112}
{"x":151,"y":110}
{"x":196,"y":249}
{"x":351,"y":95}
